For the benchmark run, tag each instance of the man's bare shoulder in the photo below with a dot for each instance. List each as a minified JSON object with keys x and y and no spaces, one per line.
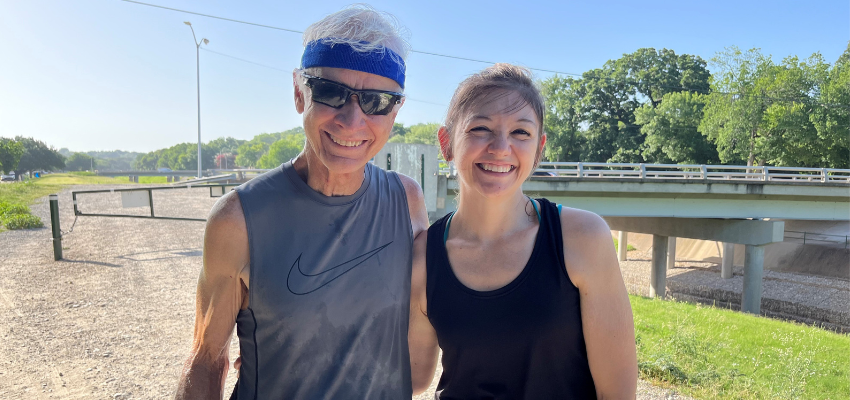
{"x":227,"y":214}
{"x":226,"y":236}
{"x":415,"y":203}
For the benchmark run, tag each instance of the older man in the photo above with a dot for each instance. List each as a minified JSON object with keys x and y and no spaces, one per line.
{"x":311,"y":261}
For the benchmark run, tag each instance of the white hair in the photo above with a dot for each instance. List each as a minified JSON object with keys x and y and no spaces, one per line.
{"x":363,"y":28}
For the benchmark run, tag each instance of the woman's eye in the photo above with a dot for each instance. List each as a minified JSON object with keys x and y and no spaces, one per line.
{"x":522,"y":132}
{"x":480,"y":129}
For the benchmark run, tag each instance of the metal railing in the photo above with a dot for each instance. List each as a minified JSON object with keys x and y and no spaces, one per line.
{"x":818,"y":239}
{"x":596,"y":170}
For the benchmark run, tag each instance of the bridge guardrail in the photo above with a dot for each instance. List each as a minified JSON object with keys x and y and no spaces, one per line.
{"x":596,"y":170}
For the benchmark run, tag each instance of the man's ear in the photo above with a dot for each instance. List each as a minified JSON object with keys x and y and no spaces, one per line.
{"x":299,"y":94}
{"x":445,"y":145}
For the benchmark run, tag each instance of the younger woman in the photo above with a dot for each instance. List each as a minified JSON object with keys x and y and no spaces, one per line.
{"x":524,"y":297}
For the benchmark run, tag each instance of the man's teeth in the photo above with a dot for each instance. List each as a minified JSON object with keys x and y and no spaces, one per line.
{"x":496,"y":168}
{"x":346,"y":143}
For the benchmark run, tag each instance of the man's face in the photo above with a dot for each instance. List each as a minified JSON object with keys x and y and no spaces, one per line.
{"x":343,"y":139}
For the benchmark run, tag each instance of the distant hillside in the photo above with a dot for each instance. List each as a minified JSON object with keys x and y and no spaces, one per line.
{"x":116,"y":160}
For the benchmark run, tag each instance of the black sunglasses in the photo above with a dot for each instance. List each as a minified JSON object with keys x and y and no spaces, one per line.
{"x":335,"y":94}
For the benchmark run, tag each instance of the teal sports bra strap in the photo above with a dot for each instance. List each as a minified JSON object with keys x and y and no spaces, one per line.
{"x":559,"y":208}
{"x":446,"y":232}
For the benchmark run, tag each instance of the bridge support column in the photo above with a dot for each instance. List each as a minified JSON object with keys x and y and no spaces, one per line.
{"x":753,"y":272}
{"x":622,"y":245}
{"x":671,"y":252}
{"x":727,"y":261}
{"x":658,"y":276}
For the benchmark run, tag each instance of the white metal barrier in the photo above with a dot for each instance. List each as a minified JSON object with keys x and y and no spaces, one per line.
{"x":688,"y":171}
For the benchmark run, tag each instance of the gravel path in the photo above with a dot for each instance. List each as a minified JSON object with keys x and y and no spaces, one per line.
{"x":113,"y":320}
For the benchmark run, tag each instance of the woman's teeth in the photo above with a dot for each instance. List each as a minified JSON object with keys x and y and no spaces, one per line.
{"x":496,"y":168}
{"x":346,"y":143}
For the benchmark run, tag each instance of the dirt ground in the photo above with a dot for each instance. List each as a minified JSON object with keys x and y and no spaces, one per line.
{"x":113,"y":320}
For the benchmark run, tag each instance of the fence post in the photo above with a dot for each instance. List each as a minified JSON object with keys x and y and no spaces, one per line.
{"x":54,"y":224}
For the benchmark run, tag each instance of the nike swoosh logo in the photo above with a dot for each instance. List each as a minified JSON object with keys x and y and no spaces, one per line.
{"x":300,"y":283}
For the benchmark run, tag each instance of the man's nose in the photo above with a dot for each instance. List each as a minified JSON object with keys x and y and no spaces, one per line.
{"x":350,"y":115}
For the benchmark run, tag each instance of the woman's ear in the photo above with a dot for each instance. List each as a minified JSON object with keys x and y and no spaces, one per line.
{"x":445,"y":143}
{"x":540,"y":148}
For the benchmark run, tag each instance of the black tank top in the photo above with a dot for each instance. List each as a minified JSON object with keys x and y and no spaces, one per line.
{"x":521,"y":341}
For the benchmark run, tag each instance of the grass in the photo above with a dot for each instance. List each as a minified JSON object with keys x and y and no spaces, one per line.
{"x":706,"y":352}
{"x":628,"y":246}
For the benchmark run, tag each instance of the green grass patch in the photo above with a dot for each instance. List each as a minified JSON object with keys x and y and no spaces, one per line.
{"x":628,"y":246}
{"x":78,"y":178}
{"x":706,"y":352}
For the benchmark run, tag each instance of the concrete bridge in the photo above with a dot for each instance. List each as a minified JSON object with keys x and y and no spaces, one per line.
{"x":729,"y":204}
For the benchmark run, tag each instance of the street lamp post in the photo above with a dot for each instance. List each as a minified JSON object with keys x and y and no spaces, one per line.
{"x":198,"y":70}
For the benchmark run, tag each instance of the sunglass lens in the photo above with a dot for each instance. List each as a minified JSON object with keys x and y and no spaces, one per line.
{"x":329,"y":94}
{"x":376,"y":103}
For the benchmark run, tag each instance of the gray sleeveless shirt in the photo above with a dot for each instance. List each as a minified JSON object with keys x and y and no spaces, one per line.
{"x":329,"y":290}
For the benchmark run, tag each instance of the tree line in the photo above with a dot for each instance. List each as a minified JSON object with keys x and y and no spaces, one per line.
{"x":21,"y":155}
{"x":659,"y":107}
{"x":264,"y":151}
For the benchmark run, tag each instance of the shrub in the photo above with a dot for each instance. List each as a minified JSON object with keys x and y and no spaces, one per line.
{"x":9,"y":210}
{"x":22,"y":221}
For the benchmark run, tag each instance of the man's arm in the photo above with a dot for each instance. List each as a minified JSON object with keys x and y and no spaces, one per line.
{"x":222,"y":290}
{"x":606,"y":313}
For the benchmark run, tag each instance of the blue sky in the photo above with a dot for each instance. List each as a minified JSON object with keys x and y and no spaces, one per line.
{"x":108,"y":74}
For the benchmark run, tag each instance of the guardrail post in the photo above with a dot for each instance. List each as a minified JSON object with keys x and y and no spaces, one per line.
{"x":764,"y":174}
{"x":54,"y":224}
{"x":823,"y":177}
{"x":642,"y":171}
{"x":704,"y":171}
{"x":580,"y":168}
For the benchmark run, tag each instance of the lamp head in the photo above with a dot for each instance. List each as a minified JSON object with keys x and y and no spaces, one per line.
{"x":206,"y":41}
{"x":187,"y":23}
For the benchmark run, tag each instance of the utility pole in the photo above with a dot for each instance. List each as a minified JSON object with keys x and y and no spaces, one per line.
{"x":198,"y":73}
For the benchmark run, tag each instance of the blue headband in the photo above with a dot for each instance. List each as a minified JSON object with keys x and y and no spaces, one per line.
{"x":384,"y":63}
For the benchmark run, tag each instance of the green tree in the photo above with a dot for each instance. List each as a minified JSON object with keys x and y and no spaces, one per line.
{"x":597,"y":112}
{"x":37,"y":156}
{"x":831,"y":112}
{"x":671,"y":130}
{"x":10,"y":153}
{"x":765,"y":113}
{"x":563,"y":119}
{"x":418,"y":134}
{"x":282,"y":151}
{"x":80,"y":162}
{"x":249,"y":153}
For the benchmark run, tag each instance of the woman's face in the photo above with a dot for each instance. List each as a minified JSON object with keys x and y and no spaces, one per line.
{"x":495,"y":149}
